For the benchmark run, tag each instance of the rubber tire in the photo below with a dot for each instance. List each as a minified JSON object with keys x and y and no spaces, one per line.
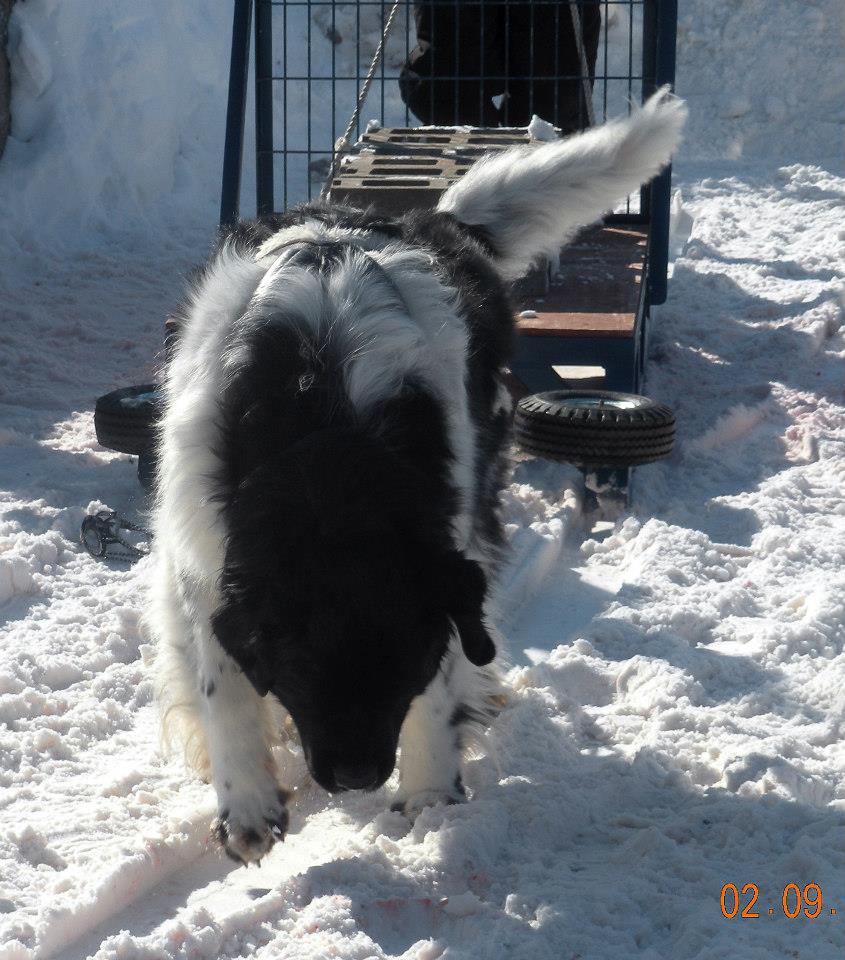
{"x":553,"y":426}
{"x":124,"y":419}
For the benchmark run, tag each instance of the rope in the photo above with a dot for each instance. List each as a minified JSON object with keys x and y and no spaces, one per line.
{"x":343,"y":143}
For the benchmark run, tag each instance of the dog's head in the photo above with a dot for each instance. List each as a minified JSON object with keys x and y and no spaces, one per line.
{"x":341,"y":601}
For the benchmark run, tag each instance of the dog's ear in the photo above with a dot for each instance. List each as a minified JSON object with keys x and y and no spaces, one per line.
{"x":465,"y":589}
{"x":236,"y":629}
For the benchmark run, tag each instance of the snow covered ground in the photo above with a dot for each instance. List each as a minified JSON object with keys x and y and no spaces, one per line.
{"x":679,"y":722}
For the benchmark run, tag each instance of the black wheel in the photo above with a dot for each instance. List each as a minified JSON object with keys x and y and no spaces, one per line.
{"x":124,"y":419}
{"x":594,"y":428}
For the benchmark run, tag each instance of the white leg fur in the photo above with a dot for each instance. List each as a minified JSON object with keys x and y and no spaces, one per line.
{"x":430,"y":759}
{"x":252,"y":807}
{"x":436,"y":729}
{"x":533,"y":200}
{"x":228,"y":730}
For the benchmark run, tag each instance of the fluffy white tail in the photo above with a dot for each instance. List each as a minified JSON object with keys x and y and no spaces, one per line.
{"x":533,"y":199}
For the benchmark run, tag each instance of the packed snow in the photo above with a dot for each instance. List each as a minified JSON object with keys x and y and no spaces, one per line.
{"x":676,"y":713}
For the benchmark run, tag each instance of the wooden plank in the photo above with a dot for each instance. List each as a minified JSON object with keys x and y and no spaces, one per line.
{"x":578,"y":324}
{"x":597,"y":291}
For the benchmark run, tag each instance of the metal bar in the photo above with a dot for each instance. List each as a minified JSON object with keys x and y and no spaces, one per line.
{"x":407,"y":51}
{"x":433,"y":31}
{"x":481,"y":85}
{"x":285,"y":104}
{"x":661,"y":188}
{"x":456,"y":65}
{"x":230,"y":193}
{"x":531,"y":66}
{"x":308,"y":98}
{"x":630,"y":56}
{"x":648,"y":71}
{"x":358,"y":77}
{"x":334,"y":88}
{"x":606,"y":70}
{"x":630,"y":79}
{"x":506,"y":101}
{"x":382,"y":21}
{"x":263,"y":107}
{"x":555,"y":117}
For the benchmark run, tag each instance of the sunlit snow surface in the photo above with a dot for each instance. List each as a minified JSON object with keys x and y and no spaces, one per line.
{"x":684,"y":731}
{"x":677,"y":722}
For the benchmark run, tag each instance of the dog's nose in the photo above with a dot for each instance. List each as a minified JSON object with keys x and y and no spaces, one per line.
{"x":363,"y":777}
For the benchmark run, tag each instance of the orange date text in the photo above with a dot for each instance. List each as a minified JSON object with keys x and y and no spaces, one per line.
{"x":795,"y":901}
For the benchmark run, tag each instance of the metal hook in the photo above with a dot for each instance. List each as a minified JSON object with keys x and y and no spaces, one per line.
{"x":101,"y":530}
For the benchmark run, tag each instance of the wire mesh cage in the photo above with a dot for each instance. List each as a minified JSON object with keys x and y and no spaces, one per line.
{"x":487,"y":63}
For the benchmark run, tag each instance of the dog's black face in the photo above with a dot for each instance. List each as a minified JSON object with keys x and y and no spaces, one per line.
{"x":343,"y":612}
{"x":347,"y":657}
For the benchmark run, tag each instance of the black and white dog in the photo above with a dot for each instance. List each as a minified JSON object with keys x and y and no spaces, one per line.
{"x":331,"y":455}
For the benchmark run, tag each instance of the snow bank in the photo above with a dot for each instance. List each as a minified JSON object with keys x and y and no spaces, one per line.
{"x":118,"y":114}
{"x":764,"y":78}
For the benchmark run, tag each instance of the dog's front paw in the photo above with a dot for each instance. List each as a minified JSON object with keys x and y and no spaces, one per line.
{"x":411,"y":805}
{"x":250,"y":825}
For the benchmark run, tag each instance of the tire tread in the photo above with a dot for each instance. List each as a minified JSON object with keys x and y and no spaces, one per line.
{"x":545,"y":425}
